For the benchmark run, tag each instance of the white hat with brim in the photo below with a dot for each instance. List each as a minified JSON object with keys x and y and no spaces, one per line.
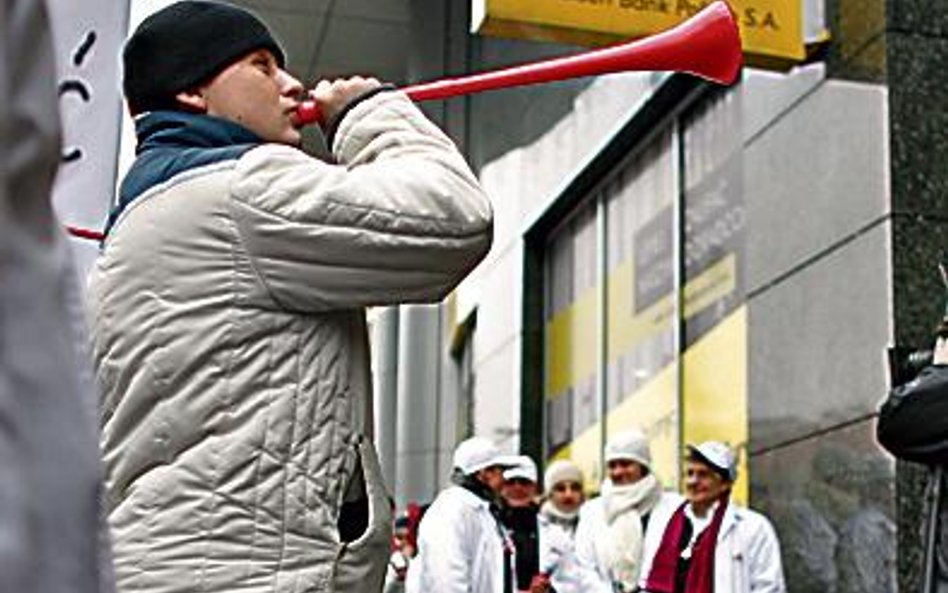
{"x":477,"y":453}
{"x":718,"y":456}
{"x":525,"y":469}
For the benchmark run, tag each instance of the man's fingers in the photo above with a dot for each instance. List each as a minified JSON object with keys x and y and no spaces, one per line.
{"x":333,"y":96}
{"x":342,"y":88}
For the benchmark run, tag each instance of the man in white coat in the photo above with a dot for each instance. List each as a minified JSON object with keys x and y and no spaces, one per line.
{"x":709,"y":544}
{"x":462,"y":545}
{"x":609,"y":538}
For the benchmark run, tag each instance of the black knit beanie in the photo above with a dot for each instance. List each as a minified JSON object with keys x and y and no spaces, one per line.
{"x":184,"y":45}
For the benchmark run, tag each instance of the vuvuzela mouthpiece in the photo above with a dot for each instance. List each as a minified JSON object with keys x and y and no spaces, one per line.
{"x":309,"y":113}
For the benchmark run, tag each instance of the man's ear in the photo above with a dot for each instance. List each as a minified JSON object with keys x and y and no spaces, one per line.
{"x":193,"y":100}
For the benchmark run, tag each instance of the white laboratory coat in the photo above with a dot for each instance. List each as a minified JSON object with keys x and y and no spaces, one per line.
{"x":460,"y":547}
{"x":747,"y":556}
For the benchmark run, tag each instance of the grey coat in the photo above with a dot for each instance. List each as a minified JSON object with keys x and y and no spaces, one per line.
{"x":49,"y":465}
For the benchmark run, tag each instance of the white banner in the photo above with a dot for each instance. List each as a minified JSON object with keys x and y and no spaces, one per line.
{"x":88,"y":37}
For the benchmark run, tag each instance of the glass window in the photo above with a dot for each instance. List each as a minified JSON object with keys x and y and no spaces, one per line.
{"x":641,"y":313}
{"x":662,"y":291}
{"x":714,"y":363}
{"x":570,"y":369}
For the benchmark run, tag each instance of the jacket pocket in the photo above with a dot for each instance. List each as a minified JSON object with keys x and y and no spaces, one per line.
{"x":362,"y":562}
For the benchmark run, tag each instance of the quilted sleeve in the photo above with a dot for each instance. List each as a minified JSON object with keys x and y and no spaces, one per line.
{"x":401,"y":218}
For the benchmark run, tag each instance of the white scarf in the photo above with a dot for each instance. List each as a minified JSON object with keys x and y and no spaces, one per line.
{"x":624,"y":507}
{"x":554,"y":515}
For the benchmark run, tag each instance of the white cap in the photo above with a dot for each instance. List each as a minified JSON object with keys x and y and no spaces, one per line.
{"x":525,"y":469}
{"x":629,"y":444}
{"x":717,"y":455}
{"x":476,"y":453}
{"x":561,"y":470}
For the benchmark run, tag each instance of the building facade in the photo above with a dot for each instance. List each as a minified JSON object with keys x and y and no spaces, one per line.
{"x":705,"y":262}
{"x":692,"y":260}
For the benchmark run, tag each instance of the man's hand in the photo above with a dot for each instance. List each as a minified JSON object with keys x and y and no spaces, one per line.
{"x":540,"y":584}
{"x":332,"y":97}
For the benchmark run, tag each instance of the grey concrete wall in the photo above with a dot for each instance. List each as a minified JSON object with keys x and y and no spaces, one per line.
{"x":819,"y":299}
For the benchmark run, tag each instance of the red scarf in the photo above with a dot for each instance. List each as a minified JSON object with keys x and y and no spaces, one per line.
{"x":700,"y":577}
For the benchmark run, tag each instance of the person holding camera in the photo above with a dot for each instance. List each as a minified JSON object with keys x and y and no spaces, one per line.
{"x":909,"y":427}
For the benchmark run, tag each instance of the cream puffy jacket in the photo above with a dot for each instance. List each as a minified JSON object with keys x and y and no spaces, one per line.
{"x":229,"y":337}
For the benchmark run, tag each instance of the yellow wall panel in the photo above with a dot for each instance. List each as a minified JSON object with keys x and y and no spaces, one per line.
{"x":585,"y":451}
{"x":653,"y":409}
{"x":570,"y":344}
{"x":714,"y":387}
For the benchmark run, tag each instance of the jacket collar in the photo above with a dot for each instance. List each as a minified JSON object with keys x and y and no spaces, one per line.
{"x":480,"y":490}
{"x":732,"y":516}
{"x":171,"y":142}
{"x":178,"y":129}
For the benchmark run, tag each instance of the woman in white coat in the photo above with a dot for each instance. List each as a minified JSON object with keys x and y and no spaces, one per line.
{"x":462,"y":546}
{"x":558,"y":518}
{"x":709,"y":544}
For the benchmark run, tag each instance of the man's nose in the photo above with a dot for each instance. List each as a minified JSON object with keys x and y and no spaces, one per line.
{"x":289,"y":85}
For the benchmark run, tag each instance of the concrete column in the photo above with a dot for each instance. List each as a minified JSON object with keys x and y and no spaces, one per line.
{"x":418,"y":380}
{"x":385,"y":377}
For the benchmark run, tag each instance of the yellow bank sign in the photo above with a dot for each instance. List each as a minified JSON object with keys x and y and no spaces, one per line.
{"x":771,"y":30}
